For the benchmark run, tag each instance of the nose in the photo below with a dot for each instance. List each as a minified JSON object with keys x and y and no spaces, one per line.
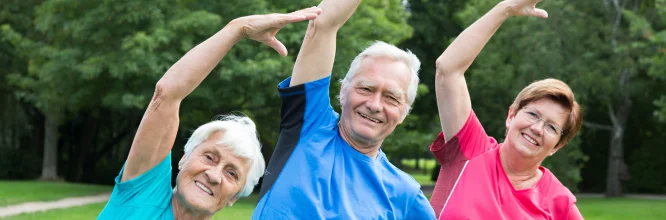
{"x":374,"y":103}
{"x":214,"y":175}
{"x":537,"y":127}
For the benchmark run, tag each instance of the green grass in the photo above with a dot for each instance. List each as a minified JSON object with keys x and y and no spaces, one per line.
{"x":80,"y":212}
{"x":591,"y":208}
{"x":15,"y":192}
{"x":241,"y":210}
{"x":600,"y":208}
{"x":421,"y":177}
{"x":411,"y":163}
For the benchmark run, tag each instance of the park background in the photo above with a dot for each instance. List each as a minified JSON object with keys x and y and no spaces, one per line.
{"x":76,"y":77}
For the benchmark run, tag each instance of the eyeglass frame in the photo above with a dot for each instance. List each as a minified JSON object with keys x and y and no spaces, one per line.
{"x":539,"y":118}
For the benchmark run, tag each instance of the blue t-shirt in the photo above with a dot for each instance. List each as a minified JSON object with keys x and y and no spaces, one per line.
{"x":315,"y":174}
{"x":147,"y":196}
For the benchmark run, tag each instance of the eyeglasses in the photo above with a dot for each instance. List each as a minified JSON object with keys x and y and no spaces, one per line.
{"x":533,"y":117}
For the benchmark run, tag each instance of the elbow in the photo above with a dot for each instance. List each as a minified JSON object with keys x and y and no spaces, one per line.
{"x":164,"y":91}
{"x":442,"y":69}
{"x":325,"y":24}
{"x":445,"y":69}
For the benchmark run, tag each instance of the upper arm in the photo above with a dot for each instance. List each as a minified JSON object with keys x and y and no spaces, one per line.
{"x":315,"y":59}
{"x":317,"y":54}
{"x":574,"y":213}
{"x":453,"y":101}
{"x":154,"y":137}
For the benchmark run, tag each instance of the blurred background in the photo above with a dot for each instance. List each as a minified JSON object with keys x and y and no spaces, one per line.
{"x":76,"y":77}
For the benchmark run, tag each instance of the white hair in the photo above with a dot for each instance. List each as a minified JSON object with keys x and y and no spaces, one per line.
{"x":240,"y":135}
{"x":382,"y":49}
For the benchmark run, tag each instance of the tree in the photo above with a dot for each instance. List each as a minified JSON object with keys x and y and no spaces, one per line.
{"x":90,"y":68}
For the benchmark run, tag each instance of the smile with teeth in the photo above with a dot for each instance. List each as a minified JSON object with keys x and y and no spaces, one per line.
{"x":529,"y":139}
{"x":204,"y":188}
{"x":370,"y":118}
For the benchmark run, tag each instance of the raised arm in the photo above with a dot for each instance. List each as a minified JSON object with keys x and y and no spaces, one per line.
{"x":453,"y":99}
{"x":315,"y":59}
{"x":157,"y":132}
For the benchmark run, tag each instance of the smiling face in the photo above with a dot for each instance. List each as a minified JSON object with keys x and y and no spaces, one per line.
{"x":374,"y":101}
{"x":532,"y":140}
{"x":211,"y":177}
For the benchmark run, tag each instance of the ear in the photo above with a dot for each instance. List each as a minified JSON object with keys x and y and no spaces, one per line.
{"x":555,"y":149}
{"x":341,"y":95}
{"x":510,"y":117}
{"x":231,"y":202}
{"x":181,"y":163}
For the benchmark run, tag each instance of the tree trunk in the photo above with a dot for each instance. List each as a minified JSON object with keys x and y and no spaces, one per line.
{"x":617,"y":168}
{"x":50,"y":164}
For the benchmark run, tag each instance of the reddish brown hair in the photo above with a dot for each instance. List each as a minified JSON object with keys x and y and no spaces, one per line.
{"x":558,"y":92}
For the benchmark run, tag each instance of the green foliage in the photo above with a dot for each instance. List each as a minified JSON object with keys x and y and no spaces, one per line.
{"x":82,"y":58}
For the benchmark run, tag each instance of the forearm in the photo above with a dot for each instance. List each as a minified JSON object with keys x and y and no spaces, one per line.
{"x":317,"y":54}
{"x":186,"y":74}
{"x":453,"y":100}
{"x":464,"y":49}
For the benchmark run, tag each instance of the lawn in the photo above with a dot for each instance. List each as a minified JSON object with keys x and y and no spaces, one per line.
{"x":241,"y":210}
{"x":411,"y":163}
{"x":592,"y":208}
{"x":14,"y":192}
{"x":600,"y":208}
{"x":421,"y":177}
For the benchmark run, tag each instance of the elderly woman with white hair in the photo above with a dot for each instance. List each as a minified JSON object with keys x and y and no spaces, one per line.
{"x":222,"y":160}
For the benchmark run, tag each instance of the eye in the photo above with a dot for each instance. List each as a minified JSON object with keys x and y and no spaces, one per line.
{"x":532,"y":115}
{"x":209,"y":157}
{"x":553,"y":129}
{"x":232,"y":174}
{"x":393,"y":100}
{"x":364,"y":90}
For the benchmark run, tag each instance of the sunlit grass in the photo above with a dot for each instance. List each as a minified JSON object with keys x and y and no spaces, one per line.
{"x":591,"y":208}
{"x":15,"y":192}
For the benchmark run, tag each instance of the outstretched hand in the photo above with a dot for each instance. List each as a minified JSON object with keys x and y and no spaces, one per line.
{"x":263,"y":28}
{"x":526,"y":8}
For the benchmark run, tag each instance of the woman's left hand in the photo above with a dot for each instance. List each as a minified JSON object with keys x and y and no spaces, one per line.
{"x":525,"y":8}
{"x":263,"y":28}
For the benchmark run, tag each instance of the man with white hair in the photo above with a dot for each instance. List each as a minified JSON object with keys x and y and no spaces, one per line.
{"x":330,"y":166}
{"x":222,"y":160}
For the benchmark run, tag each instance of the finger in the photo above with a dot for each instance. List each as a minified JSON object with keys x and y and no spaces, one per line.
{"x":289,"y":18}
{"x":277,"y":46}
{"x":315,"y":9}
{"x":540,"y":13}
{"x":309,"y":13}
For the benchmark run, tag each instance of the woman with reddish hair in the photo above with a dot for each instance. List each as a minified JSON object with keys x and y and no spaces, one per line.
{"x":481,"y":178}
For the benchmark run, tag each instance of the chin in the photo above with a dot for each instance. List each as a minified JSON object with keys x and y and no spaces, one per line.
{"x":194,"y":202}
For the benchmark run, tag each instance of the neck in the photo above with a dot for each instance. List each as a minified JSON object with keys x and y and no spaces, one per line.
{"x":370,"y":149}
{"x":180,"y":210}
{"x":517,"y":168}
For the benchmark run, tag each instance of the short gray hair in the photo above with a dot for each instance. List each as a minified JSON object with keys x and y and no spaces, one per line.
{"x":382,"y":49}
{"x":240,"y":135}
